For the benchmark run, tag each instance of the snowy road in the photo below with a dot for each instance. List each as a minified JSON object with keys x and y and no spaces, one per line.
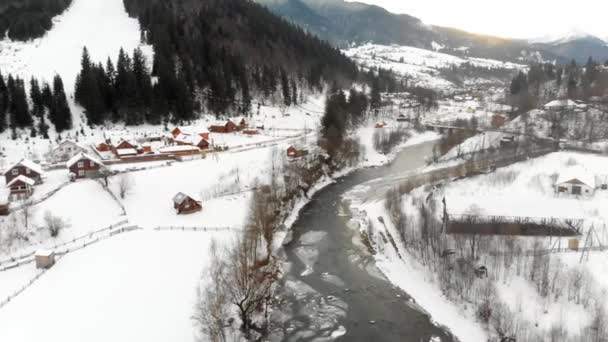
{"x":332,"y":288}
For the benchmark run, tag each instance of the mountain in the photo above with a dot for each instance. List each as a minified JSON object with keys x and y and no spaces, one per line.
{"x":579,"y":47}
{"x":347,"y":23}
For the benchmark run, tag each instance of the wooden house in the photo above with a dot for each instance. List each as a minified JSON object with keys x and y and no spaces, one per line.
{"x":83,"y":165}
{"x":185,"y":204}
{"x":240,"y":122}
{"x":224,"y":127}
{"x":124,"y":144}
{"x":25,"y":168}
{"x":21,"y":187}
{"x":294,"y":152}
{"x":65,"y":150}
{"x":575,"y":181}
{"x":104,"y":146}
{"x":45,"y":259}
{"x":177,"y":131}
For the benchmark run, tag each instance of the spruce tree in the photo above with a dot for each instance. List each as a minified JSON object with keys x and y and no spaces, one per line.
{"x":36,"y":96}
{"x":285,"y":88}
{"x":60,"y":115}
{"x":4,"y":103}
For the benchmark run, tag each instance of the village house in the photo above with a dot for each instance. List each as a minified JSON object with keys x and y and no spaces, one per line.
{"x":240,"y":122}
{"x":65,"y":150}
{"x":26,"y":168}
{"x":294,"y":152}
{"x":84,"y":166}
{"x":558,"y":105}
{"x":575,"y":181}
{"x":185,"y":204}
{"x":193,"y":140}
{"x":177,"y":131}
{"x":21,"y":187}
{"x":223,"y":127}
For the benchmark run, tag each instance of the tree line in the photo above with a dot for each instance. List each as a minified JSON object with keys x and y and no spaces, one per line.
{"x":546,"y":81}
{"x":24,"y":20}
{"x":46,"y":102}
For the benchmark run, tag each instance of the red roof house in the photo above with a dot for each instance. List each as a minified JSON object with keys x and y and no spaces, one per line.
{"x":26,"y":168}
{"x":83,"y":165}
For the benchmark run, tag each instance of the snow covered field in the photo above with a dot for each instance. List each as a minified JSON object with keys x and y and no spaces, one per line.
{"x":140,"y":286}
{"x":421,"y":65}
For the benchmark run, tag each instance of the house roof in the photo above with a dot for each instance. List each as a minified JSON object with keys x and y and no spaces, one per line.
{"x":576,"y":173}
{"x":70,"y":142}
{"x":556,"y":104}
{"x":21,"y":178}
{"x":180,"y":197}
{"x":29,"y":164}
{"x":182,"y":148}
{"x":126,"y":151}
{"x":80,"y":156}
{"x":44,"y":252}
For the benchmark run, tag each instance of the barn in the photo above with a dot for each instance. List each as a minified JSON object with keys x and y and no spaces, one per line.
{"x":185,"y":204}
{"x":575,"y":181}
{"x":21,"y":187}
{"x":26,"y":168}
{"x":83,"y":165}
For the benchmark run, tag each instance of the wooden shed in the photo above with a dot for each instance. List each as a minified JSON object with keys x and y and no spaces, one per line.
{"x":185,"y":204}
{"x":294,"y":152}
{"x":45,"y":258}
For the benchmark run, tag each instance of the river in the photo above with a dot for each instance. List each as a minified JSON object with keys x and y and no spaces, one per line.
{"x":332,"y":289}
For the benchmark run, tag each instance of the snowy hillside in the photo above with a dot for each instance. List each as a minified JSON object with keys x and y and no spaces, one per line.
{"x":102,"y":25}
{"x":422,"y":66}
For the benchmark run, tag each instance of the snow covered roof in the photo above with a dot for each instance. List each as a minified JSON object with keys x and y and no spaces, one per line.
{"x":29,"y":164}
{"x":577,"y":173}
{"x":181,"y":197}
{"x":70,"y":142}
{"x":557,"y":104}
{"x":44,"y":252}
{"x":22,"y":178}
{"x":126,"y":151}
{"x":182,"y":148}
{"x":80,"y":156}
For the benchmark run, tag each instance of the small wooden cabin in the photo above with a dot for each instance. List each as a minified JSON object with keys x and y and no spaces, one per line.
{"x":294,"y":152}
{"x":21,"y":187}
{"x":83,"y":165}
{"x":25,"y":168}
{"x":185,"y":204}
{"x":45,"y":259}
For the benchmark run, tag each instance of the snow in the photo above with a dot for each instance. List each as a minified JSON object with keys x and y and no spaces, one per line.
{"x":414,"y":279}
{"x":102,"y":26}
{"x":23,"y":179}
{"x":527,"y":189}
{"x":135,"y":287}
{"x":421,"y":65}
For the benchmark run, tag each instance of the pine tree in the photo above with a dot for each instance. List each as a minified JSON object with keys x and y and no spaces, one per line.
{"x":60,"y":115}
{"x":36,"y":96}
{"x":4,"y":103}
{"x":285,"y":88}
{"x":20,"y":113}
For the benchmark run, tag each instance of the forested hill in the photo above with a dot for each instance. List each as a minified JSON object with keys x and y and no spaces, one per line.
{"x":27,"y":19}
{"x":235,"y":46}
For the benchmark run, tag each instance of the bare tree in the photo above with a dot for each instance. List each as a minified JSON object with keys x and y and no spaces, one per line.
{"x":211,"y":311}
{"x":27,"y":210}
{"x":53,"y":223}
{"x":125,"y":184}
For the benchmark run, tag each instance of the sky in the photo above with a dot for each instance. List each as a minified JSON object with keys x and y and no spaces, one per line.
{"x":518,"y":19}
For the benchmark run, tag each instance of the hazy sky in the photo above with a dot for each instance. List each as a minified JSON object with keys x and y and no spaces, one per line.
{"x":511,"y":18}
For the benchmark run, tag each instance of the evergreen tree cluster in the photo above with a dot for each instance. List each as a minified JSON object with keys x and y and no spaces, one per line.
{"x":125,"y":92}
{"x":15,"y":112}
{"x":234,"y":50}
{"x":28,"y":19}
{"x":547,"y":81}
{"x":341,"y":114}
